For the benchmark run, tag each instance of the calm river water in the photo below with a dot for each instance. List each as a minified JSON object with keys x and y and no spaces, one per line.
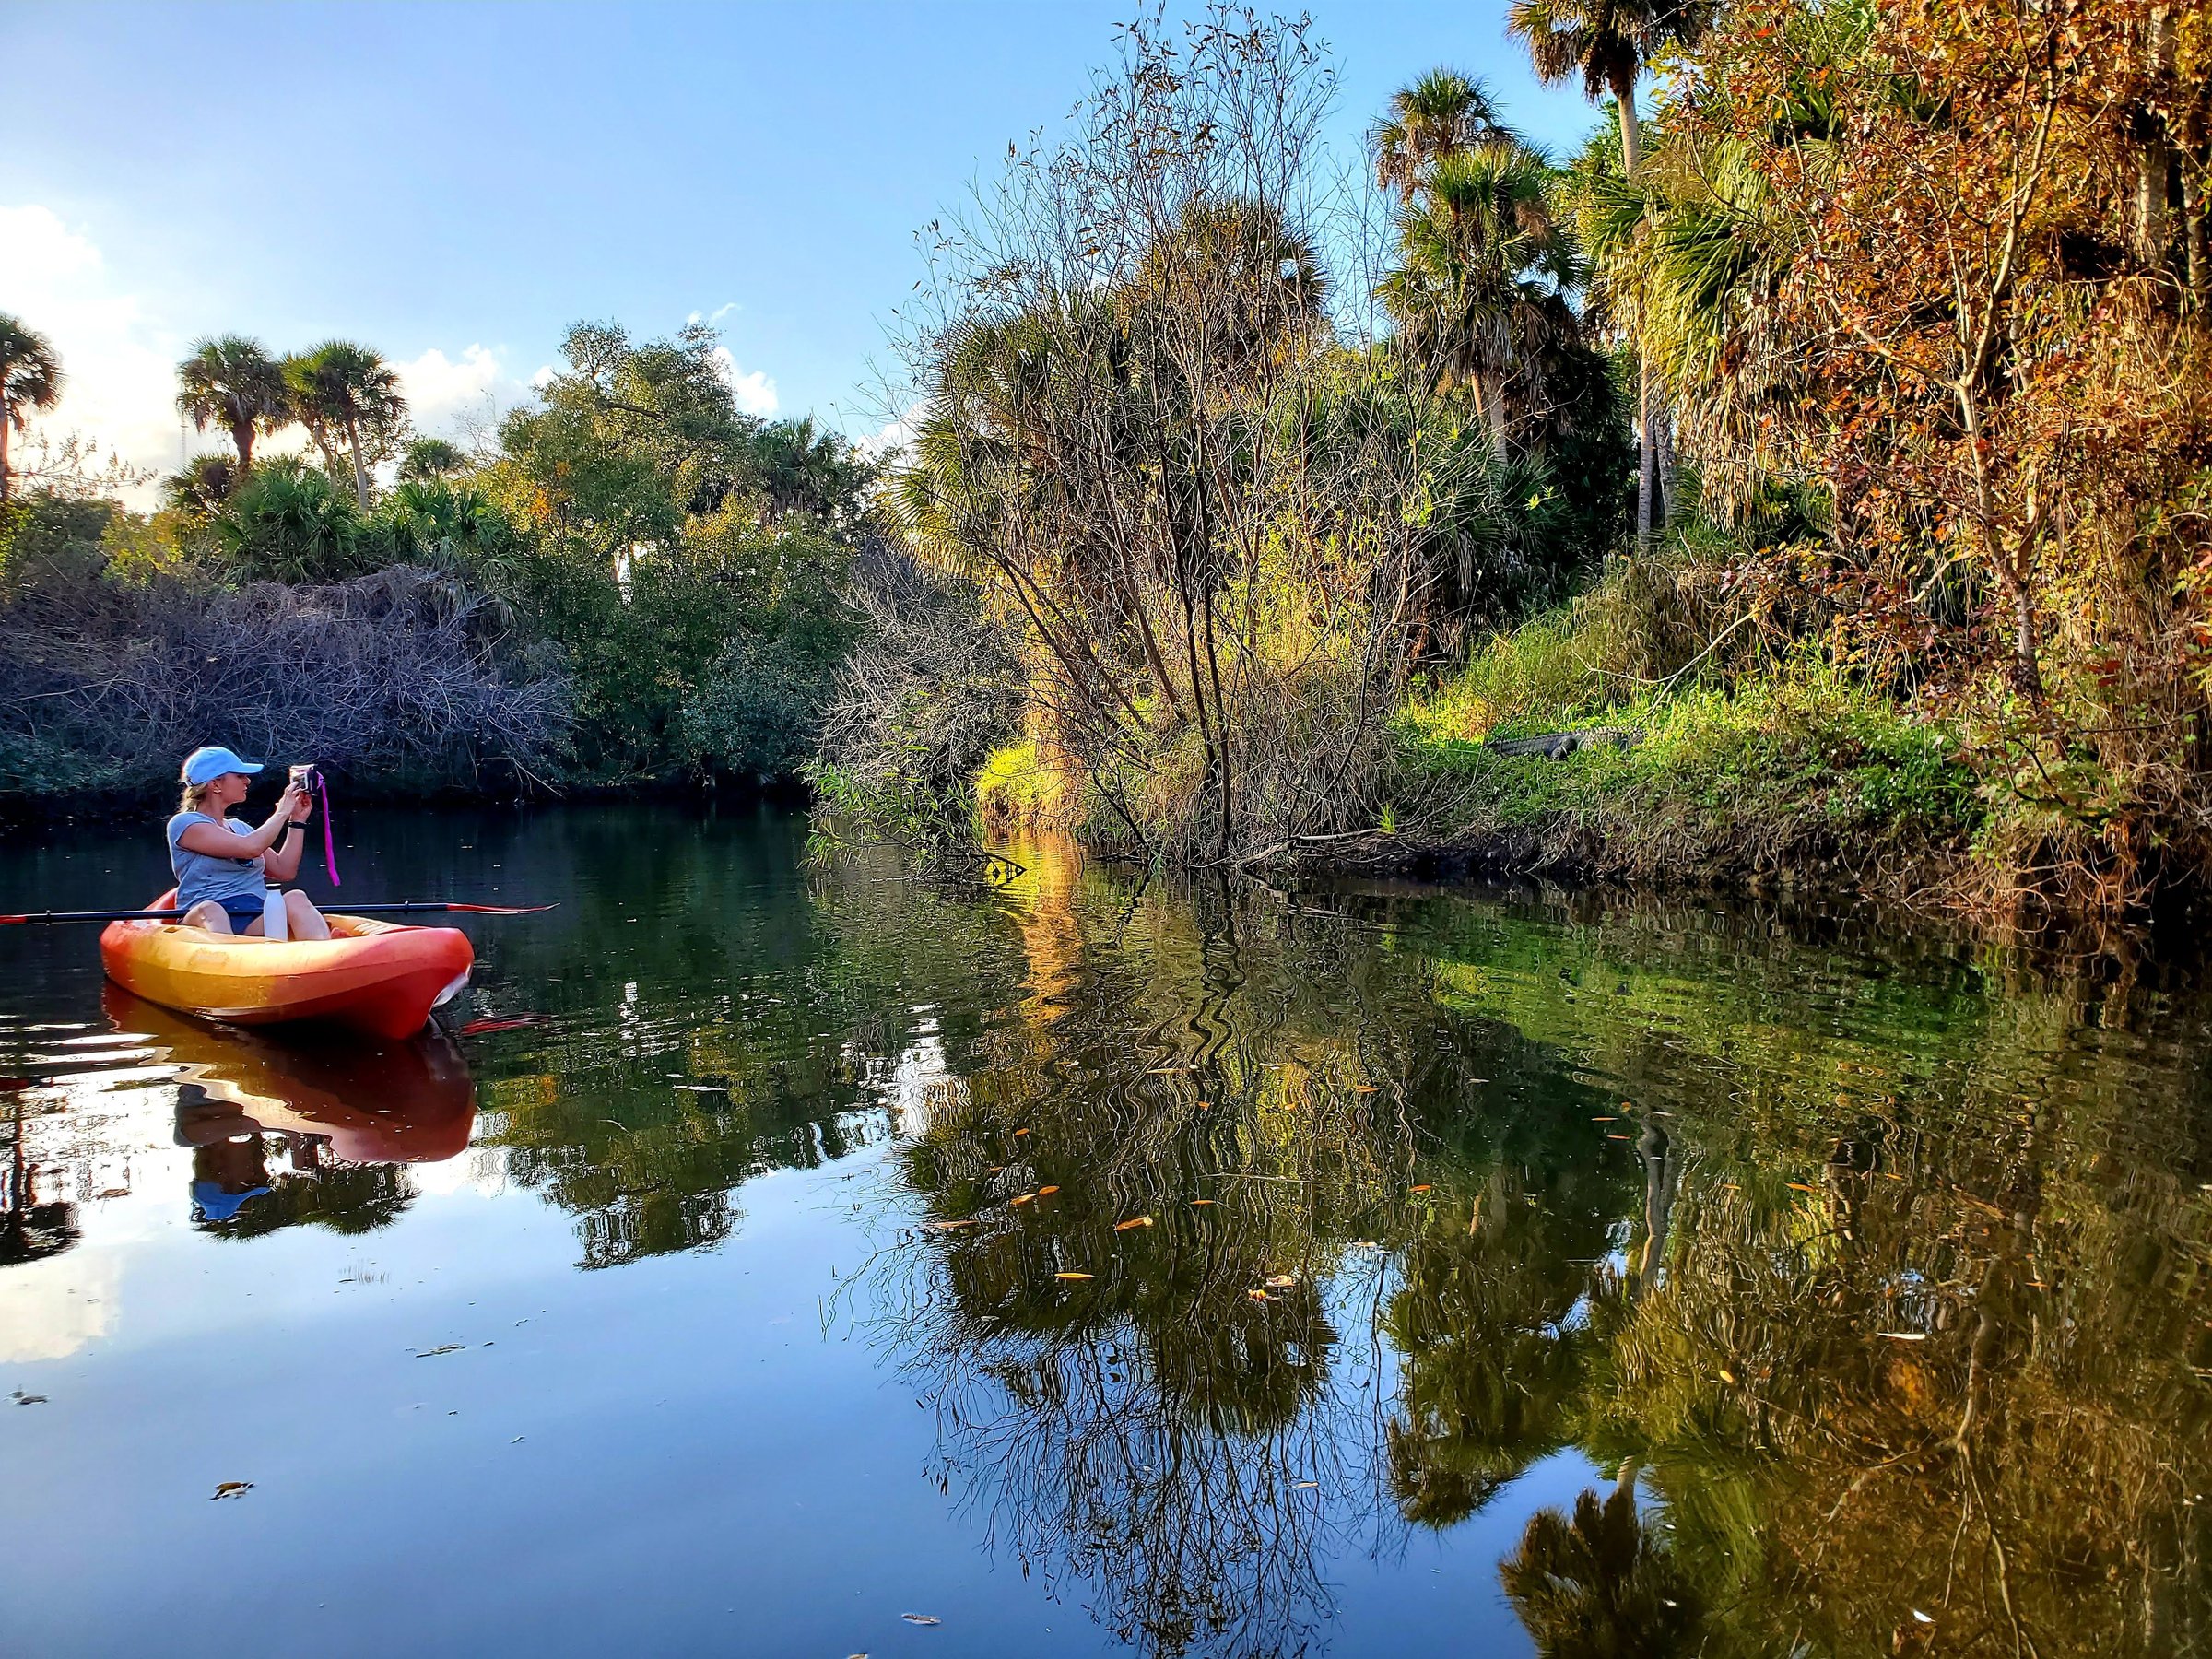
{"x":1088,"y":1266}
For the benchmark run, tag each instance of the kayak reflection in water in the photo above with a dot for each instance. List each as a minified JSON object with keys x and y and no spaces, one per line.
{"x":348,"y":1115}
{"x":223,"y":866}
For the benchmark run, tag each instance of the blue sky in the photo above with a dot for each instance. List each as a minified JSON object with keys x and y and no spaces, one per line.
{"x":455,"y":184}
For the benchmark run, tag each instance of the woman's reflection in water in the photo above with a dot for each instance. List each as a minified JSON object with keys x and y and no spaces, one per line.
{"x":347,"y":1117}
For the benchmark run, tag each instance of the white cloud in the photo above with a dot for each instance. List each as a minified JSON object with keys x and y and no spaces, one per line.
{"x":118,"y":355}
{"x":460,"y":399}
{"x":755,"y":392}
{"x":892,"y":435}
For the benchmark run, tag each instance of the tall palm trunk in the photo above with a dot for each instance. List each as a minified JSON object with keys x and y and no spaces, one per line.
{"x":1490,"y":403}
{"x":1647,"y":448}
{"x":360,"y":473}
{"x":241,"y":434}
{"x":7,"y":420}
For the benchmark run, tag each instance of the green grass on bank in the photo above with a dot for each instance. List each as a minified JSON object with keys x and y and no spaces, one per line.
{"x":1788,"y":768}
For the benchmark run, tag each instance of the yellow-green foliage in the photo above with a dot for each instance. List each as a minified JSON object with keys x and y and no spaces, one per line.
{"x":1796,"y":761}
{"x":1013,"y":787}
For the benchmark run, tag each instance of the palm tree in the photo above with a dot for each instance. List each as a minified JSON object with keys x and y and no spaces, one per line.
{"x":1440,"y":114}
{"x":1608,"y":43}
{"x":429,"y":458}
{"x":1480,"y":294}
{"x":30,"y":379}
{"x":231,"y":382}
{"x":1602,"y":1582}
{"x":349,"y":387}
{"x":204,"y":485}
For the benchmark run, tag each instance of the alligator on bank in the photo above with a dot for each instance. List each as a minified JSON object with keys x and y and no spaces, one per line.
{"x":1558,"y":746}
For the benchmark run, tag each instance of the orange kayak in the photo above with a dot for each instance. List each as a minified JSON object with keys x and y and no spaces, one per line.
{"x":377,"y":977}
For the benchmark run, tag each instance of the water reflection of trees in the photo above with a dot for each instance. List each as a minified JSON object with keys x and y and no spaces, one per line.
{"x":1192,"y":1432}
{"x":1911,"y":1348}
{"x":1882,"y":1301}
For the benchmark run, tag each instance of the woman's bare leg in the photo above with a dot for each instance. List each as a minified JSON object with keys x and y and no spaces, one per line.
{"x":302,"y":920}
{"x":209,"y":915}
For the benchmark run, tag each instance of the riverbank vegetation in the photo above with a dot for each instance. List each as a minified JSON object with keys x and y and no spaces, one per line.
{"x":1832,"y":434}
{"x":1292,"y":506}
{"x":629,"y":582}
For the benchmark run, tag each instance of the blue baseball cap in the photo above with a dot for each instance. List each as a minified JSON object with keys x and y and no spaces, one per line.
{"x":210,"y":1203}
{"x":205,"y":765}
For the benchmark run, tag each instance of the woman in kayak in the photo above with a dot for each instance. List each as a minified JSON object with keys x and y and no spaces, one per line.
{"x":223,"y":867}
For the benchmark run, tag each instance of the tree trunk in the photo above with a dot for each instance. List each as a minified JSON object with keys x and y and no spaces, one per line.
{"x":1490,"y":401}
{"x":320,"y":434}
{"x":2154,"y":148}
{"x":360,"y":473}
{"x":1631,"y":131}
{"x":7,"y":420}
{"x":1631,"y":154}
{"x":2197,"y":258}
{"x":1647,"y":458}
{"x":2027,"y":670}
{"x":241,"y":434}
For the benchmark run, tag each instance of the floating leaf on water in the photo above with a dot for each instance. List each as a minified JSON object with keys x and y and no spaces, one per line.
{"x":1422,"y":1188}
{"x":950,"y":1225}
{"x":1046,"y":1191}
{"x":1071,"y":1276}
{"x":1204,"y":1105}
{"x":232,"y":1488}
{"x":1922,"y":1617}
{"x":1020,"y":1132}
{"x":1904,"y":1335}
{"x":20,"y":1398}
{"x":1605,"y":1120}
{"x":1023,"y":1198}
{"x":920,"y":1618}
{"x":1282,"y":1281}
{"x":1728,"y":1376}
{"x":1363,"y":1089}
{"x":1200,"y":1201}
{"x":1307,"y":1484}
{"x":1619,"y":1138}
{"x":1133,"y":1221}
{"x":449,"y":1347}
{"x":1258,"y":1295}
{"x":1799,"y":1186}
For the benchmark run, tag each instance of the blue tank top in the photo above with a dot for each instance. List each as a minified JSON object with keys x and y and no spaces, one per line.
{"x":200,"y":876}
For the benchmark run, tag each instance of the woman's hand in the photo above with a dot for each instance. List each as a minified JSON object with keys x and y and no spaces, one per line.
{"x":294,"y":805}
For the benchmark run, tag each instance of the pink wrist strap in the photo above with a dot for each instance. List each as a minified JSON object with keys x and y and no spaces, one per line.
{"x":330,"y":852}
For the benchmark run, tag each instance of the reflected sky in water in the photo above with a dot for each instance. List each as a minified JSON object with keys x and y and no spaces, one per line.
{"x":1098,"y":1267}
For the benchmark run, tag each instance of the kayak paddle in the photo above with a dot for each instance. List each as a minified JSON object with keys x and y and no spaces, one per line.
{"x":409,"y":908}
